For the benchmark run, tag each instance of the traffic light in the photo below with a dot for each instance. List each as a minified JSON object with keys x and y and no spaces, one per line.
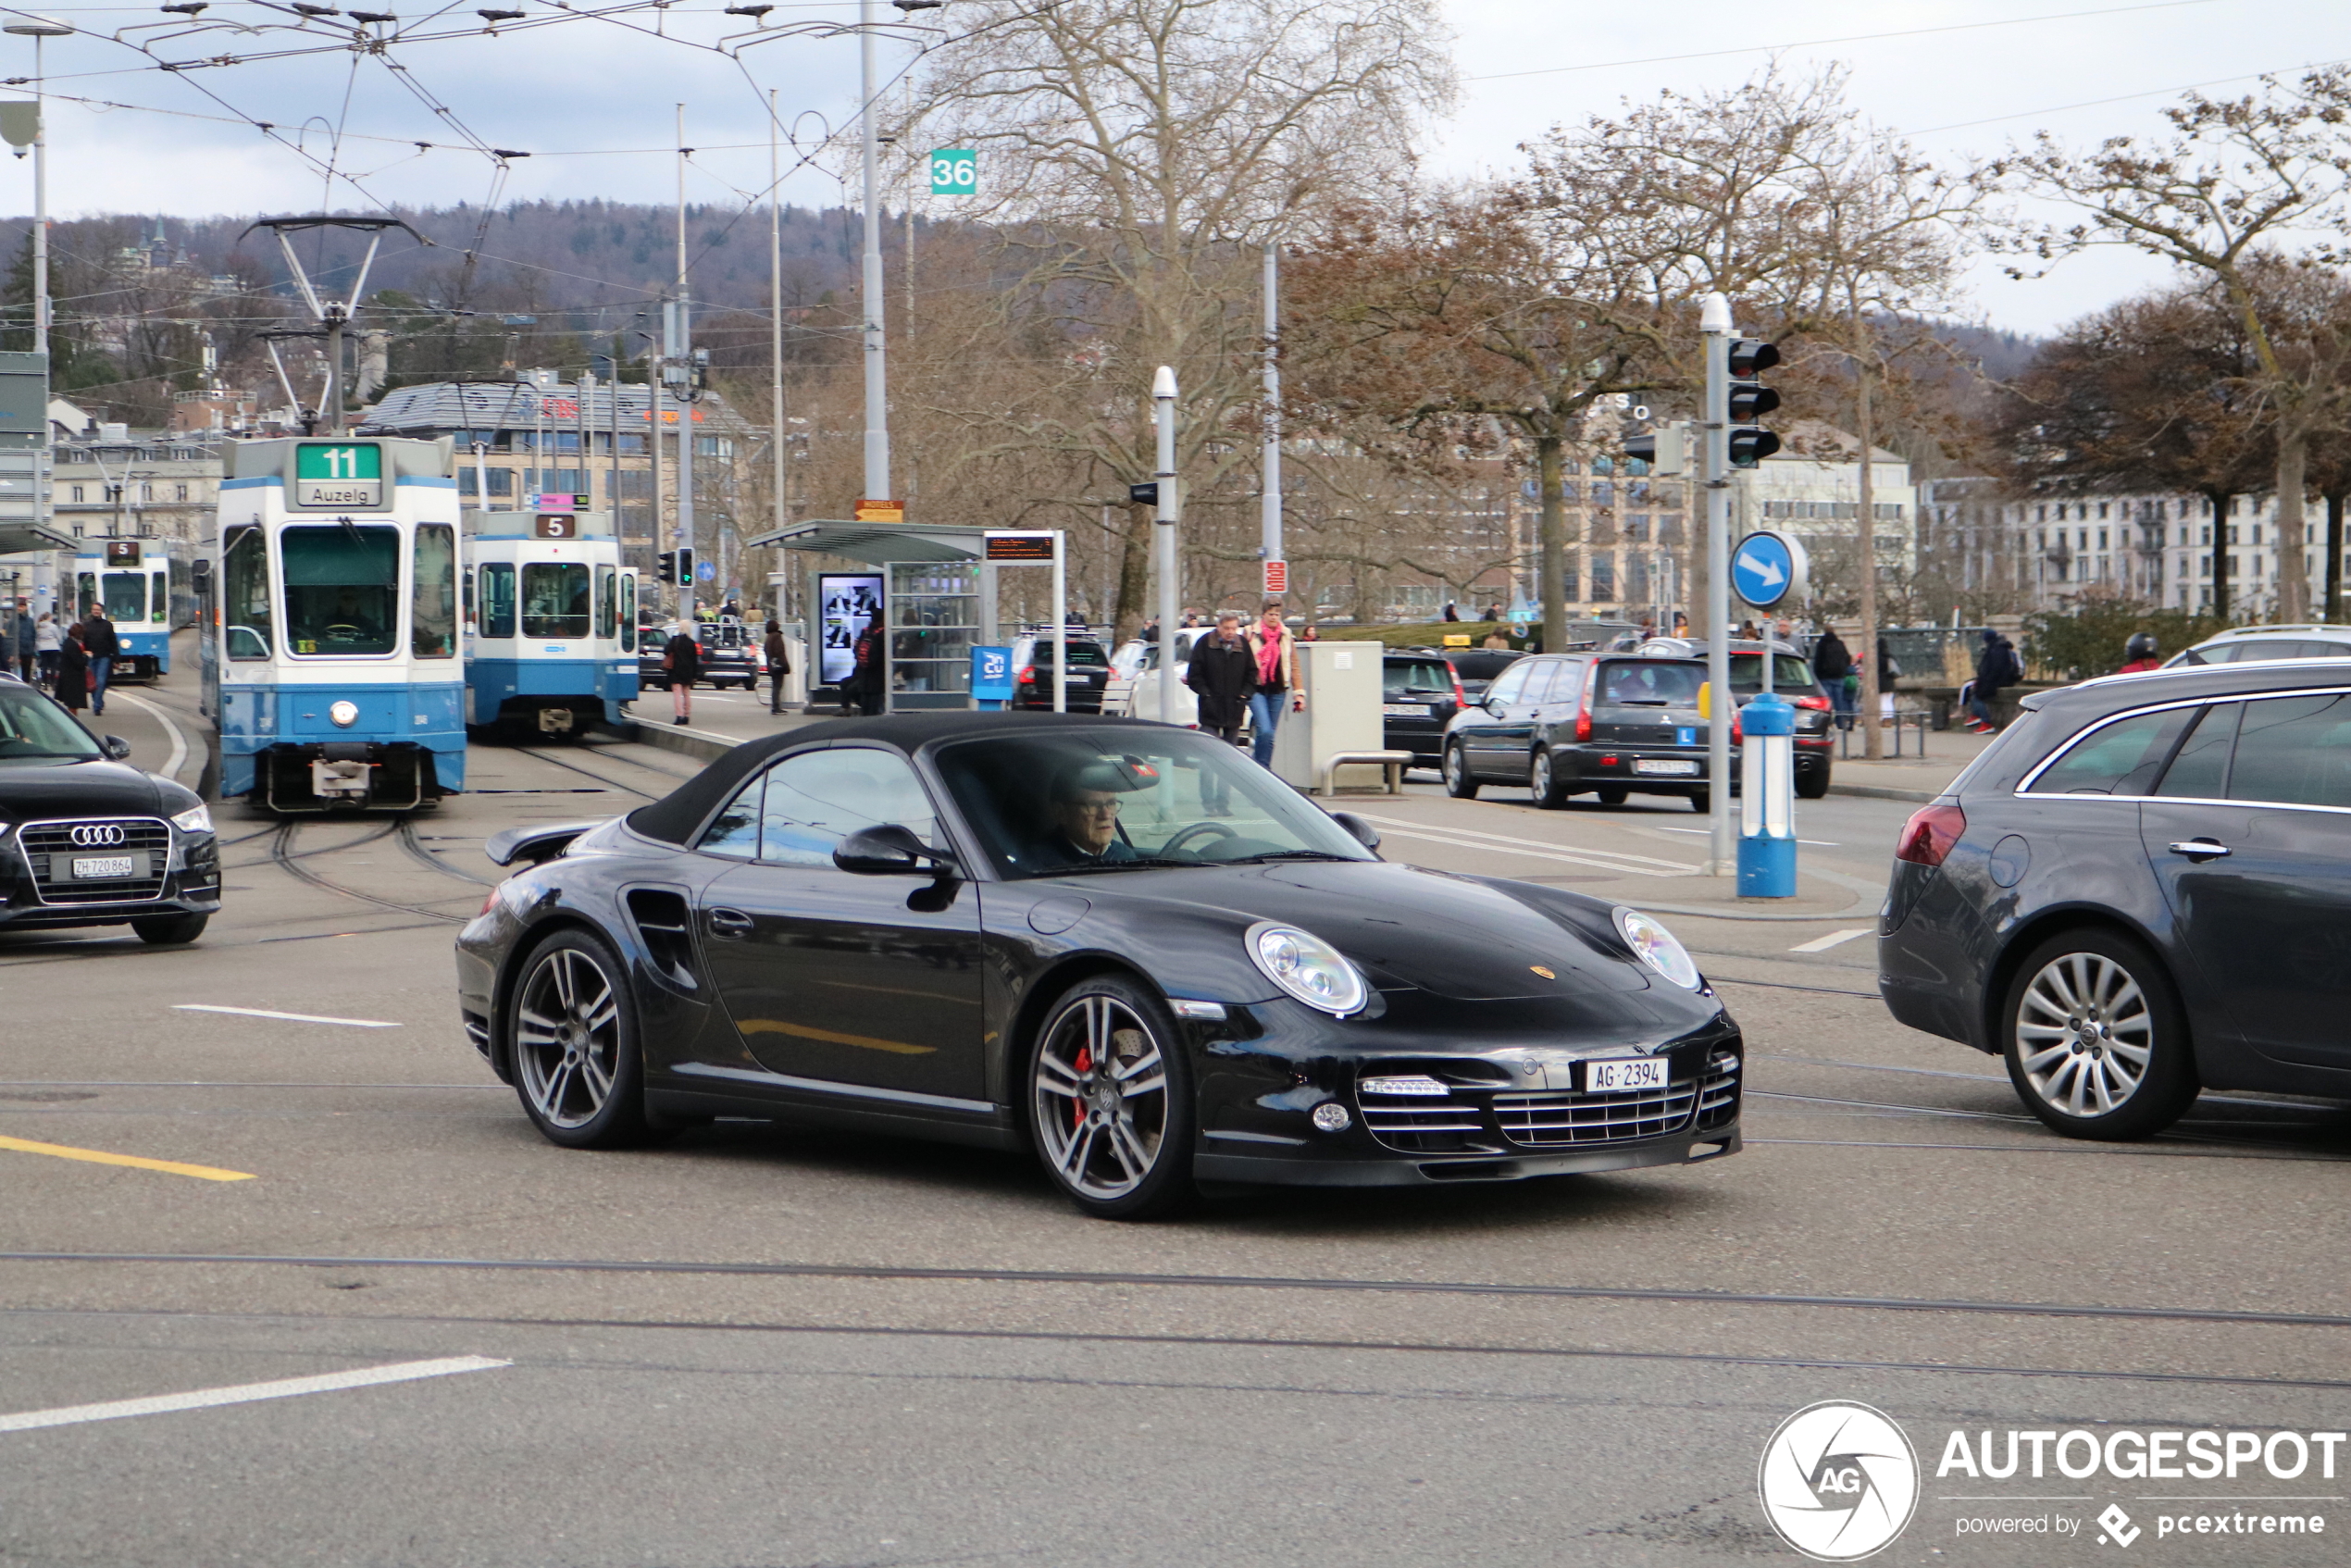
{"x":1665,"y":449}
{"x":685,"y":566}
{"x":666,"y":563}
{"x":1749,"y":400}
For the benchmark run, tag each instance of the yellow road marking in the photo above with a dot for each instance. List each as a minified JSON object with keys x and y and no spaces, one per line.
{"x":100,"y":1157}
{"x":863,"y":1043}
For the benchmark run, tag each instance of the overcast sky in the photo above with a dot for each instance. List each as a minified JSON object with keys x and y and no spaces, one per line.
{"x":594,"y":102}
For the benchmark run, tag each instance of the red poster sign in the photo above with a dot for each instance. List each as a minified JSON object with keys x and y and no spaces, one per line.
{"x":1278,"y":576}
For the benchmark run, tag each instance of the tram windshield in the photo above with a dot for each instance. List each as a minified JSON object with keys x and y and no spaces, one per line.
{"x":35,"y":730}
{"x":554,"y":599}
{"x":433,"y":631}
{"x":126,"y":596}
{"x":343,"y":587}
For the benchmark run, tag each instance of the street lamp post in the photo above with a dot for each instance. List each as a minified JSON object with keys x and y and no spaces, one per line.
{"x":39,"y":29}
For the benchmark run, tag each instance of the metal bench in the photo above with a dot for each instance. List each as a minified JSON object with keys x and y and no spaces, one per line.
{"x":1392,"y":764}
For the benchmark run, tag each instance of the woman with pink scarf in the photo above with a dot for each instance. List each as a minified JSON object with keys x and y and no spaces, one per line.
{"x":1273,"y":652}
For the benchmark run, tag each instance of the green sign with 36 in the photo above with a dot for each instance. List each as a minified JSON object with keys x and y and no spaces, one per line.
{"x":955,"y":172}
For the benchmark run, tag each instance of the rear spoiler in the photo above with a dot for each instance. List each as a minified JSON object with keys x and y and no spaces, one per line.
{"x":537,"y":844}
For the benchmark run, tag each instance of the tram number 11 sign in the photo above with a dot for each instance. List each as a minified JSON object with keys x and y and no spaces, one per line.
{"x":339,"y":474}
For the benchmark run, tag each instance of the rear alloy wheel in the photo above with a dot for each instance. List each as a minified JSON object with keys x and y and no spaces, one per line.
{"x":577,"y":1063}
{"x":1613,"y":794}
{"x":1458,"y":782}
{"x":1111,"y":1102}
{"x":1543,"y":783}
{"x":2095,"y":1040}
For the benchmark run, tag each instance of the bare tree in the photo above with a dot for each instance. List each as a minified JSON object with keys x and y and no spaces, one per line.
{"x":2231,"y":181}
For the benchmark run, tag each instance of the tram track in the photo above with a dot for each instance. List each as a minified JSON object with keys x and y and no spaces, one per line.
{"x":283,"y":855}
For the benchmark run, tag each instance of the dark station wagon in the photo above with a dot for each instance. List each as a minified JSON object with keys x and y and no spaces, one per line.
{"x":1603,"y":724}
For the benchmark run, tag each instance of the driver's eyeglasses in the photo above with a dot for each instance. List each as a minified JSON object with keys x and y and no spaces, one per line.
{"x":1111,"y":806}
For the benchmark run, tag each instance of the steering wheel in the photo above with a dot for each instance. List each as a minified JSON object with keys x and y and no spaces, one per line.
{"x":1186,"y":836}
{"x":341,"y":632}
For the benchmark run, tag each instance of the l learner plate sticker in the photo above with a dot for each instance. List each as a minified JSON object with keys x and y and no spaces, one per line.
{"x":1623,"y":1074}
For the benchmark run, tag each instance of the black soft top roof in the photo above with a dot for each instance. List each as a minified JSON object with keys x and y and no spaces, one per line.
{"x":674,"y":817}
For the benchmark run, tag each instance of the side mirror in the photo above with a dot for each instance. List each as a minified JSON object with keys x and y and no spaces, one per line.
{"x":1365,"y":834}
{"x":889,"y":849}
{"x":114,"y":747}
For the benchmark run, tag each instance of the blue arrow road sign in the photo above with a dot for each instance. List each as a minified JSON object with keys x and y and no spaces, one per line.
{"x":1762,"y":569}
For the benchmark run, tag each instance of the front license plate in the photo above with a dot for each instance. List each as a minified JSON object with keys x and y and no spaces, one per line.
{"x":1664,"y":764}
{"x":1625,"y":1075}
{"x":99,"y":868}
{"x":1405,"y":710}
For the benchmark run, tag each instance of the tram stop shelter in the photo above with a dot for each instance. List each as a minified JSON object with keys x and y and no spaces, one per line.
{"x":926,"y":583}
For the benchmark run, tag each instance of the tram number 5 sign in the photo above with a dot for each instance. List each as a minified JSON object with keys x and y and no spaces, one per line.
{"x":954,"y":173}
{"x":339,"y":474}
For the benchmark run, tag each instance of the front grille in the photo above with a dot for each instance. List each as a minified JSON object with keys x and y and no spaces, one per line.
{"x":1540,"y":1119}
{"x":1718,"y":1092}
{"x":1418,"y":1125}
{"x":50,"y":850}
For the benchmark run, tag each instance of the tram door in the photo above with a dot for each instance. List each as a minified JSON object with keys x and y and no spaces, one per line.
{"x":207,"y":641}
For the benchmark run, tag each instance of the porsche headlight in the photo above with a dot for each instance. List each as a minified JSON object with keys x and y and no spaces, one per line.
{"x":1307,"y":968}
{"x":195,"y":819}
{"x":1656,"y":946}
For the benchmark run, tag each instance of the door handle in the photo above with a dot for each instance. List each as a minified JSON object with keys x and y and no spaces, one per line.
{"x":2201,"y":849}
{"x":735,"y":923}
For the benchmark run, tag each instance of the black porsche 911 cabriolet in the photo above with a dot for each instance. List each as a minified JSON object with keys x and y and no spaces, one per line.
{"x":1122,"y":944}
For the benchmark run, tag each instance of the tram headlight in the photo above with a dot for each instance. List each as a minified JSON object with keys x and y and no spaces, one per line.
{"x":195,"y":819}
{"x":345,"y":713}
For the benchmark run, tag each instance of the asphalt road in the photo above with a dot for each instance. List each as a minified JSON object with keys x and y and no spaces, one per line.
{"x":759,"y":1347}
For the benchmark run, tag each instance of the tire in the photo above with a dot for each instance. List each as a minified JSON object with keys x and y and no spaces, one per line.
{"x":577,"y":1067}
{"x":1116,"y":1141}
{"x":1701,"y":801}
{"x":1613,"y":794}
{"x":2095,"y":1037}
{"x":1460,"y":782}
{"x":171,"y":930}
{"x":1546,"y":787}
{"x":1813,"y":787}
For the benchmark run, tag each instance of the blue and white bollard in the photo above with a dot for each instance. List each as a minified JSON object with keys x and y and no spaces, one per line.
{"x":1767,"y":798}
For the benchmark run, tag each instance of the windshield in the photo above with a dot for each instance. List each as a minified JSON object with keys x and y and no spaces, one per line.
{"x":33,"y":728}
{"x":1650,"y":683}
{"x":126,"y":596}
{"x":554,"y":599}
{"x":1082,"y":656}
{"x":244,"y":595}
{"x":343,"y":587}
{"x":1062,"y":803}
{"x":1789,"y":672}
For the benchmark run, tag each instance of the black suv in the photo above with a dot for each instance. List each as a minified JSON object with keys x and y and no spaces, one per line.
{"x":1572,"y":724}
{"x":1420,"y":692}
{"x":2140,"y":888}
{"x":1792,"y":679}
{"x":731,"y":656}
{"x":1033,"y":673}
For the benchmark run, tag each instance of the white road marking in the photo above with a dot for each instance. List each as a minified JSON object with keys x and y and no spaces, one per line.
{"x":290,"y":1017}
{"x":1834,"y":939}
{"x":246,"y":1393}
{"x":178,"y":741}
{"x":1407,"y":827}
{"x":1702,"y":833}
{"x":1594,"y":861}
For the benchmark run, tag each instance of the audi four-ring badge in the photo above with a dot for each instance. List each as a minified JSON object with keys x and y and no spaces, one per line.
{"x":1120,"y":945}
{"x":87,"y":839}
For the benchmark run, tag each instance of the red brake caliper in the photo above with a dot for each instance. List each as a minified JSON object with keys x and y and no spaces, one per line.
{"x":1085,"y":1064}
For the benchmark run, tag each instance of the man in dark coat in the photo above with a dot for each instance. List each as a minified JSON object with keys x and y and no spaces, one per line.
{"x":682,"y":657}
{"x":1223,"y":673}
{"x":73,"y":670}
{"x":1995,"y":666}
{"x":867,"y":681}
{"x":99,"y":642}
{"x":779,"y":654}
{"x":1832,"y":661}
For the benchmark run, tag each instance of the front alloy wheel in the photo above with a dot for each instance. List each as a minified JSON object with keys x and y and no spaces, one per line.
{"x":2096,"y":1042}
{"x":1111,"y":1102}
{"x":576,"y":1065}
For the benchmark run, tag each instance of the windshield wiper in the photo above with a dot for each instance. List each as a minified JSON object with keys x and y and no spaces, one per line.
{"x":1139,"y":861}
{"x":1287,"y":855}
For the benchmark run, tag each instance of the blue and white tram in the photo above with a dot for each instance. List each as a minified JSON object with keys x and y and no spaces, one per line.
{"x":143,"y":583}
{"x":331,"y":652}
{"x":551,"y":616}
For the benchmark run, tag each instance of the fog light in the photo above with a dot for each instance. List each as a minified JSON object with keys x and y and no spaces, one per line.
{"x":1330,"y":1116}
{"x":345,"y":714}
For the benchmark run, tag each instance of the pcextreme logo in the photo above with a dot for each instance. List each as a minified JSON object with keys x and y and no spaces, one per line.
{"x":1839,"y":1481}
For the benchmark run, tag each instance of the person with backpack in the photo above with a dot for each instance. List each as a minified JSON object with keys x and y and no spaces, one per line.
{"x":1995,"y":666}
{"x":681,"y":656}
{"x":1834,"y":664}
{"x":779,"y":654}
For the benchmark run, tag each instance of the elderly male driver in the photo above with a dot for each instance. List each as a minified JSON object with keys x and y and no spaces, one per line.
{"x":1085,"y":815}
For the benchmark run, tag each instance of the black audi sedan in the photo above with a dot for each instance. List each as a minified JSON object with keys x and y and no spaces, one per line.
{"x":2142,"y":888}
{"x":1610,"y":725}
{"x":87,"y":839}
{"x":1121,"y":945}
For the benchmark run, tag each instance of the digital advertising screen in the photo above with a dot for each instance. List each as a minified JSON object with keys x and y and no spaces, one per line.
{"x":847,"y":603}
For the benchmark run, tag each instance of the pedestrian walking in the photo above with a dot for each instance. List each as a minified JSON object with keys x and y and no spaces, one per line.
{"x":72,"y":679}
{"x":682,"y":657}
{"x":1275,"y":656}
{"x":1222,"y":673}
{"x":48,"y":641}
{"x":1832,"y":661}
{"x":100,"y":642}
{"x":868,"y":679}
{"x":22,"y":651}
{"x":778,"y":665}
